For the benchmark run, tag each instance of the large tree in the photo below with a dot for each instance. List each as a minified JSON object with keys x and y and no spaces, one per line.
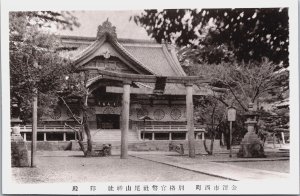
{"x":36,"y":67}
{"x":216,"y":34}
{"x":246,"y":82}
{"x":39,"y":69}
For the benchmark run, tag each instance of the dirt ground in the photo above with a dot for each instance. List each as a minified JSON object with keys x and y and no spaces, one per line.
{"x":71,"y":166}
{"x":278,"y":166}
{"x":54,"y":169}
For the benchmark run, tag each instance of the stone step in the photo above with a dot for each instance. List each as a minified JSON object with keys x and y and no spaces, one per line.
{"x":153,"y":145}
{"x":112,"y":135}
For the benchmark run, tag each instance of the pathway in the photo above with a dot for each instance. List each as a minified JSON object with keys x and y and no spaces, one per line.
{"x":225,"y":171}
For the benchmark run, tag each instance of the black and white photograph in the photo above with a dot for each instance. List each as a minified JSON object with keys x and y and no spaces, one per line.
{"x":169,"y":100}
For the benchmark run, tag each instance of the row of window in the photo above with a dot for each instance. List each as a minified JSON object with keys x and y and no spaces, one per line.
{"x":168,"y":136}
{"x":55,"y":136}
{"x":49,"y":136}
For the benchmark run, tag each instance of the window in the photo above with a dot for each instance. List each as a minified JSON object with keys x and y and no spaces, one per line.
{"x":40,"y":136}
{"x":161,"y":136}
{"x":70,"y":136}
{"x":178,"y":136}
{"x":55,"y":136}
{"x":146,"y":136}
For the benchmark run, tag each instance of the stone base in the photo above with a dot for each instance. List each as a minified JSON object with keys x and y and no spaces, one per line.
{"x":19,"y":152}
{"x":251,"y":147}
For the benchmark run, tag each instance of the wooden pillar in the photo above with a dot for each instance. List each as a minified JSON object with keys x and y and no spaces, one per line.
{"x":34,"y":129}
{"x":152,"y":135}
{"x":65,"y":136}
{"x":24,"y":136}
{"x":190,"y":119}
{"x":45,"y":136}
{"x":282,"y":137}
{"x":170,"y":136}
{"x":125,"y":119}
{"x":139,"y":135}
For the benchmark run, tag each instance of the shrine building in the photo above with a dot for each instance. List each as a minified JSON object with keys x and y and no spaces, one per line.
{"x":157,"y":110}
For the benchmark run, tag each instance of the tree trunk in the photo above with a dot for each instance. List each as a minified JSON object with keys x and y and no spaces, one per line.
{"x":211,"y":150}
{"x":80,"y":142}
{"x":205,"y":147}
{"x":212,"y":145}
{"x":88,"y":134}
{"x":86,"y":126}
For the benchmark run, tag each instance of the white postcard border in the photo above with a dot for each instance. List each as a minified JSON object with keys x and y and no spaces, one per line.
{"x":290,"y":186}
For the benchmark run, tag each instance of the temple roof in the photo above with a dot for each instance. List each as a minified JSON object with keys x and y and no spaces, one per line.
{"x":159,"y":58}
{"x":148,"y":57}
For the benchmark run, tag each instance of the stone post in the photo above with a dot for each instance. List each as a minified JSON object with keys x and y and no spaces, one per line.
{"x":19,"y":152}
{"x":190,"y":119}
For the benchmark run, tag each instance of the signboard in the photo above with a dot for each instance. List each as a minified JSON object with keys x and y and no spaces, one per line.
{"x":231,"y":114}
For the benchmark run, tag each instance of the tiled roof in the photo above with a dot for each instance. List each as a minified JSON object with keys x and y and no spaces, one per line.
{"x":154,"y":56}
{"x":159,"y":58}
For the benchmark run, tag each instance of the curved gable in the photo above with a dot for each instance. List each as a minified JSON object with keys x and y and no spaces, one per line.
{"x":106,"y":45}
{"x":142,"y":56}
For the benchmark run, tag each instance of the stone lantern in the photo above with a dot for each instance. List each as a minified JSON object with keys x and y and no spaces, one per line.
{"x":251,"y":145}
{"x":19,"y":152}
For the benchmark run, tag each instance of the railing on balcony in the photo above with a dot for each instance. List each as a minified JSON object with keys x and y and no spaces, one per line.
{"x":49,"y":132}
{"x":48,"y":128}
{"x":170,"y":127}
{"x":169,"y":131}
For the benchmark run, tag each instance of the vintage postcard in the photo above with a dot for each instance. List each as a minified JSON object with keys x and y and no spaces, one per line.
{"x":124,"y":97}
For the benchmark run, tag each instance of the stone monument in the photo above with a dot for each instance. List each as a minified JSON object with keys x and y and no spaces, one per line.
{"x":19,"y":152}
{"x":251,"y":145}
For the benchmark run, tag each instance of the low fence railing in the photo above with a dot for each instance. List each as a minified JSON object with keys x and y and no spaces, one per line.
{"x":48,"y":128}
{"x":200,"y":128}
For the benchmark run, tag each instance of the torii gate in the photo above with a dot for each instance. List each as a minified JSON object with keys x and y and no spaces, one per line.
{"x":160,"y":82}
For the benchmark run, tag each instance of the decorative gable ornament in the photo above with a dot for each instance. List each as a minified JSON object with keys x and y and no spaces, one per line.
{"x":106,"y":28}
{"x":106,"y":53}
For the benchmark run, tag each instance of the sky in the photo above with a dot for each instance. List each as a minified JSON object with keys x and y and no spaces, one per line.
{"x":90,"y":20}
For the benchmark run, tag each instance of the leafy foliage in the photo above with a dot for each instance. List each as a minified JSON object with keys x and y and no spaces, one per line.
{"x":35,"y":62}
{"x":215,"y":34}
{"x":246,"y":82}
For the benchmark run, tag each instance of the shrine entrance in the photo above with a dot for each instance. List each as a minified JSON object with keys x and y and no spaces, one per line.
{"x":123,"y":70}
{"x":160,"y":83}
{"x":108,"y":121}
